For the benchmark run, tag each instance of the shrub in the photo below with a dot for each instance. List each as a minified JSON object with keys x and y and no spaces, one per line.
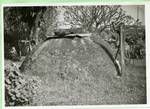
{"x":20,"y":89}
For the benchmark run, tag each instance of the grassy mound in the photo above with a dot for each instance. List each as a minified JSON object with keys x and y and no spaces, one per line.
{"x":76,"y":72}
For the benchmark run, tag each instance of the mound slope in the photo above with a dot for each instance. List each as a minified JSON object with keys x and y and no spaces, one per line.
{"x":73,"y":71}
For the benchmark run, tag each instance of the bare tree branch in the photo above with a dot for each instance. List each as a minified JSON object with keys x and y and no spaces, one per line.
{"x":93,"y":18}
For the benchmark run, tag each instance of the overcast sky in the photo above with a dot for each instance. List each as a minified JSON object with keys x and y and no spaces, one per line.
{"x":135,"y":11}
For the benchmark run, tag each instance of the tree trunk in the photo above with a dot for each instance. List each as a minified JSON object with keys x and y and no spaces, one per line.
{"x":34,"y":35}
{"x":122,"y":49}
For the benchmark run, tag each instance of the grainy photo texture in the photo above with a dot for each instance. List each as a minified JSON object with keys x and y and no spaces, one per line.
{"x":74,"y":55}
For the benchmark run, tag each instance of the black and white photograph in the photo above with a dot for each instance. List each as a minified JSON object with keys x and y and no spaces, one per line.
{"x":72,"y":55}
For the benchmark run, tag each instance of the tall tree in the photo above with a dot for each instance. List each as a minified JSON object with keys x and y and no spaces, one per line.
{"x":27,"y":23}
{"x":96,"y":18}
{"x":19,"y":20}
{"x":48,"y":22}
{"x":27,"y":19}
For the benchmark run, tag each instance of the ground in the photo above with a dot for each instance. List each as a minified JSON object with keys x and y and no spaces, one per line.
{"x":109,"y":89}
{"x":80,"y":72}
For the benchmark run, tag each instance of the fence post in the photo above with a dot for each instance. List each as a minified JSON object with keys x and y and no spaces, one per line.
{"x":122,"y":49}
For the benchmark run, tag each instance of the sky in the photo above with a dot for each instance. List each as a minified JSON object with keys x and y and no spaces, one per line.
{"x":136,"y":11}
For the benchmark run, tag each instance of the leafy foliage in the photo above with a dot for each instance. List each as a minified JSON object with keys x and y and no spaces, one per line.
{"x":19,"y":89}
{"x":48,"y":22}
{"x":19,"y":20}
{"x":27,"y":23}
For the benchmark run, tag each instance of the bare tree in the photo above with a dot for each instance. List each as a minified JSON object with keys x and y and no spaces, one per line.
{"x":96,"y":18}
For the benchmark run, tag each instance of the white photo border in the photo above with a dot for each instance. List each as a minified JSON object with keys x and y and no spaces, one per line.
{"x":126,"y":106}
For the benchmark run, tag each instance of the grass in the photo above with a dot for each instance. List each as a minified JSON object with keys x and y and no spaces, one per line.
{"x":82,"y":74}
{"x":106,"y":89}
